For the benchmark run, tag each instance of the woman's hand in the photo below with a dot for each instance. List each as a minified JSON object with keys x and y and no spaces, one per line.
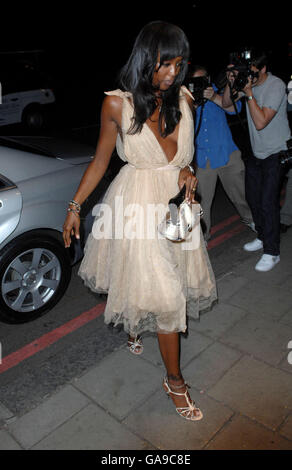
{"x":186,"y":177}
{"x":70,"y":228}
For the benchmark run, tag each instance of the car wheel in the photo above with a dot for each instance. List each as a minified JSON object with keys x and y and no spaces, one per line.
{"x":33,"y":118}
{"x":34,"y":275}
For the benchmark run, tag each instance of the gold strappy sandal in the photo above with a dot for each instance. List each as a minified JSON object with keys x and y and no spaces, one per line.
{"x":135,"y":345}
{"x":189,"y":412}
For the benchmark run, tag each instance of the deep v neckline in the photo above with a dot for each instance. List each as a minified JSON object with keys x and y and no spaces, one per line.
{"x":129,"y":95}
{"x":160,"y":146}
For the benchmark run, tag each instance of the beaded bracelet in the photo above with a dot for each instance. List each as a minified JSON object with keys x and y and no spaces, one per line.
{"x":76,"y":204}
{"x":191,"y":169}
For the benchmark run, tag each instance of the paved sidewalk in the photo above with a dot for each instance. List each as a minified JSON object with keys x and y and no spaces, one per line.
{"x":236,"y":359}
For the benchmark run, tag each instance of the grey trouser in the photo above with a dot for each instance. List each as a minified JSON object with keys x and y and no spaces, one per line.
{"x":232,"y":177}
{"x":286,"y":211}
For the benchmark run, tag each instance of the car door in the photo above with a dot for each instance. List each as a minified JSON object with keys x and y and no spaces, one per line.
{"x":10,"y":207}
{"x":10,"y":109}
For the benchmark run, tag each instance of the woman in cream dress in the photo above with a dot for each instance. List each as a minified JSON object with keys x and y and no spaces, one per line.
{"x":148,"y":279}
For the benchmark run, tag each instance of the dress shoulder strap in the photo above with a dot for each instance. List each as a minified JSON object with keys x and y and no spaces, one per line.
{"x":118,"y":92}
{"x":184,"y":90}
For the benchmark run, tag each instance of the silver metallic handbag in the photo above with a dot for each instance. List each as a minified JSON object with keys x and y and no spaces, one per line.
{"x":181,"y":218}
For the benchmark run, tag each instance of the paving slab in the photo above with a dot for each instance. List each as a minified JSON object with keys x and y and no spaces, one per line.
{"x":28,"y":388}
{"x":205,"y":370}
{"x":260,"y":337}
{"x":7,"y":442}
{"x":257,"y":297}
{"x":191,"y":345}
{"x":286,"y":363}
{"x":287,"y":283}
{"x":286,"y":260}
{"x":287,"y":319}
{"x":229,"y":284}
{"x":39,"y":422}
{"x":286,"y":428}
{"x":158,"y":422}
{"x":257,"y":390}
{"x":5,"y":413}
{"x":222,"y":317}
{"x":276,"y":277}
{"x":120,"y":382}
{"x":241,"y":433}
{"x":92,"y":429}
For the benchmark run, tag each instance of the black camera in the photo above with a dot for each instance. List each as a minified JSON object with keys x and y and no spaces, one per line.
{"x":286,"y":155}
{"x":241,"y":62}
{"x":244,"y":72}
{"x":197,"y":85}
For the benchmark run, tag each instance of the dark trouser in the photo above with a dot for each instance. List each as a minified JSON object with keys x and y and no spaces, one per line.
{"x":262,"y":181}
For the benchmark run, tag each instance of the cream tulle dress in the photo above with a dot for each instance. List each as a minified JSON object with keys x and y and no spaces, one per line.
{"x":149,"y":280}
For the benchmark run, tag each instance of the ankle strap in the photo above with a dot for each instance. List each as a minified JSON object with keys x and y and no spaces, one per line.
{"x":184,"y":384}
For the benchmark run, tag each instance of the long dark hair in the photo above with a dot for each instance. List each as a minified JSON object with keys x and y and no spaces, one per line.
{"x":136,"y":76}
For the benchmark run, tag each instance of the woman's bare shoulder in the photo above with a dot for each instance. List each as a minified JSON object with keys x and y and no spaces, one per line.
{"x":112,"y":106}
{"x":113,"y":102}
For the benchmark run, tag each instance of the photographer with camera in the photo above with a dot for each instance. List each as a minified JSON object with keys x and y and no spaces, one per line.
{"x":217,"y":156}
{"x":266,"y":107}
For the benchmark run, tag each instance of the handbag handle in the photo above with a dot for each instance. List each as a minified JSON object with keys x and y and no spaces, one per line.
{"x":174,"y":204}
{"x":179,"y":198}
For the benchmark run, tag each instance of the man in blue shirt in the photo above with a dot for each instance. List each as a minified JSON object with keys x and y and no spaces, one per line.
{"x":217,"y":156}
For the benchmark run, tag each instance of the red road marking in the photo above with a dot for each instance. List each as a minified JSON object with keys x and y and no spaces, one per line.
{"x":224,"y":224}
{"x":46,"y":340}
{"x":225,"y":236}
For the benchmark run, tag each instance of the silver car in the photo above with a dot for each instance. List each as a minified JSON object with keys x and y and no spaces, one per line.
{"x":38,"y":176}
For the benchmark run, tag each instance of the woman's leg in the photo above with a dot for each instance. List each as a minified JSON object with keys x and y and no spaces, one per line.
{"x":170,"y":351}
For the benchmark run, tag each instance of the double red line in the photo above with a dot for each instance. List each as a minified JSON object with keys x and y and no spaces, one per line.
{"x":226,"y":235}
{"x":52,"y":337}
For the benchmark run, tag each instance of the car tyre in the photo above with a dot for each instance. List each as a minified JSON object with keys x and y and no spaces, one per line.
{"x":34,"y":274}
{"x":33,"y":117}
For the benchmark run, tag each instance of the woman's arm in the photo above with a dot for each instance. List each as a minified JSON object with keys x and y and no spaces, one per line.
{"x":110,"y":123}
{"x":186,"y":176}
